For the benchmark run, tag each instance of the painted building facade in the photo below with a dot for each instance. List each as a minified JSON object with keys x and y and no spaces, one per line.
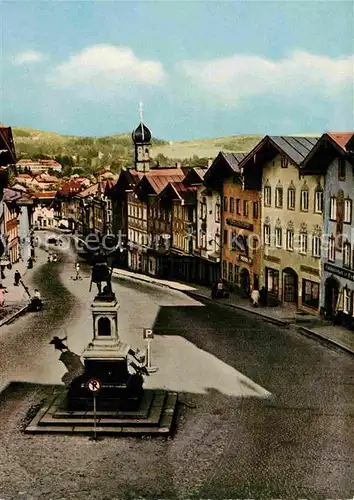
{"x":291,"y":218}
{"x":241,"y":230}
{"x":333,"y":157}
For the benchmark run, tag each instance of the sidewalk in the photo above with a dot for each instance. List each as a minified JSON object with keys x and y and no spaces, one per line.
{"x":307,"y":324}
{"x":16,"y":298}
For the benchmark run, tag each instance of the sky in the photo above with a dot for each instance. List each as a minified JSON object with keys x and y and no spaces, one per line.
{"x":202,"y":69}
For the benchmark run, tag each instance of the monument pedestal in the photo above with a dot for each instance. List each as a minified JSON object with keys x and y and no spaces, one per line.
{"x":106,"y":360}
{"x":122,"y":407}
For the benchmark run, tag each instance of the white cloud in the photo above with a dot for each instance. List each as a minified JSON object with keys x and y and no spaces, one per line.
{"x":106,"y":66}
{"x":234,"y":79}
{"x":28,"y":56}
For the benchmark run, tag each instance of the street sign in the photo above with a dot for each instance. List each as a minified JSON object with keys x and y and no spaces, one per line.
{"x":148,"y":333}
{"x":94,"y":385}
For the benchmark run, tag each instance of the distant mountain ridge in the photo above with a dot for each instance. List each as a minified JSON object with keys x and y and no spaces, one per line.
{"x":117,"y":151}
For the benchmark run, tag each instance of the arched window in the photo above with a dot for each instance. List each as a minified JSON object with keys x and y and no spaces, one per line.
{"x":104,"y":327}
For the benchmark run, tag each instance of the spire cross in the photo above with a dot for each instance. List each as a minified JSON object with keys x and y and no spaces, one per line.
{"x":141,"y":111}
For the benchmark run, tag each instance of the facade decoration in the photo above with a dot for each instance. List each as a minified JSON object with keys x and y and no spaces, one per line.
{"x":333,"y":157}
{"x":290,"y":269}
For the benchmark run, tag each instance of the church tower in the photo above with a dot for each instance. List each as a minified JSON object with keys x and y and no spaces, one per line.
{"x":142,"y":141}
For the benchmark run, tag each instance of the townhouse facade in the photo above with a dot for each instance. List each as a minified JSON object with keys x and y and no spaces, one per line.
{"x":240,"y":223}
{"x":333,"y":157}
{"x":139,"y":203}
{"x":180,"y":202}
{"x":208,"y":230}
{"x":43,"y":216}
{"x":10,"y":225}
{"x":292,"y":219}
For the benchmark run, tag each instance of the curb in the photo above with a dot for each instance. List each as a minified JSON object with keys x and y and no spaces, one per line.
{"x":269,"y":319}
{"x":275,"y":321}
{"x":325,"y":340}
{"x":11,"y":318}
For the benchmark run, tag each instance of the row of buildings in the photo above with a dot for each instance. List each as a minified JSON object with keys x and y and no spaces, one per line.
{"x":278,"y":216}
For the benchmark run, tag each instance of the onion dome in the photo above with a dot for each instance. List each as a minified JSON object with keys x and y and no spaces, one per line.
{"x":141,"y":135}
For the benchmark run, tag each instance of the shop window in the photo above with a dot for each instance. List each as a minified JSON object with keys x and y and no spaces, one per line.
{"x":310,"y":294}
{"x":272,"y":281}
{"x":347,"y":301}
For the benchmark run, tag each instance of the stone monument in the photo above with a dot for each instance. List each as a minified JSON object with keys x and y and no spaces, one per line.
{"x":113,"y":363}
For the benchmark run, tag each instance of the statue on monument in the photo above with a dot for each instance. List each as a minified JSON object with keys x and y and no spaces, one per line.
{"x":101,"y":271}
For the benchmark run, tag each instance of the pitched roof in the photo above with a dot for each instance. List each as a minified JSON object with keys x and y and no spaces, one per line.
{"x":69,"y":188}
{"x":185,"y":193}
{"x":224,"y":165}
{"x":330,"y":146}
{"x":233,"y":159}
{"x":90,"y":191}
{"x":295,"y":148}
{"x":341,"y":138}
{"x":159,"y":178}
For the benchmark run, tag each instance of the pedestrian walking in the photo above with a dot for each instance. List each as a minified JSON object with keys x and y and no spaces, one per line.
{"x":77,"y":267}
{"x":17,"y":277}
{"x":255,"y":296}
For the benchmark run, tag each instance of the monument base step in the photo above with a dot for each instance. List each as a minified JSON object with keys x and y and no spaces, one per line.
{"x":156,"y":415}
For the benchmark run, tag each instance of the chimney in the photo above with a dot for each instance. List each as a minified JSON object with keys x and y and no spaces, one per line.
{"x":210,"y":163}
{"x":178,"y":164}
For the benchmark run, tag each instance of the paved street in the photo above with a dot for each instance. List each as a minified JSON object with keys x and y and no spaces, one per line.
{"x":268,"y":413}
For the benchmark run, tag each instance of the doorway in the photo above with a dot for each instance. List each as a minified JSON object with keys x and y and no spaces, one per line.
{"x":245,"y":280}
{"x":290,"y":285}
{"x":331,"y":296}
